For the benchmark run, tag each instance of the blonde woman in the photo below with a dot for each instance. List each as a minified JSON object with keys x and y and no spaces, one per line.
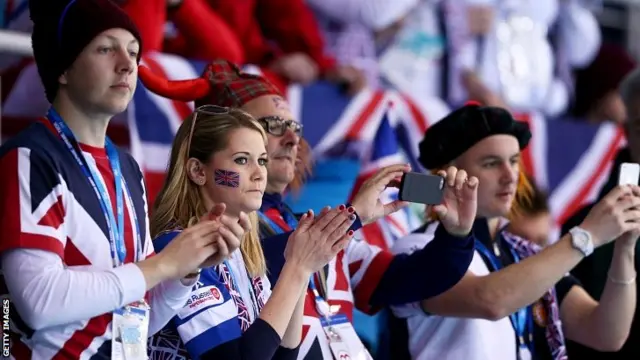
{"x":219,"y":160}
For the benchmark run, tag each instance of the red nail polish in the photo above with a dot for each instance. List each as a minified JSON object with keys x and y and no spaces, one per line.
{"x":350,"y":233}
{"x":341,"y":207}
{"x":351,"y":209}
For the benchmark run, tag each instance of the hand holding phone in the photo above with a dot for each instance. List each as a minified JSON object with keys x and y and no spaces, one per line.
{"x":422,"y":188}
{"x":629,"y":174}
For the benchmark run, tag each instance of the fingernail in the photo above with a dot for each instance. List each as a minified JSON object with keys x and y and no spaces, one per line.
{"x":352,"y":218}
{"x":341,"y":207}
{"x":350,"y":233}
{"x":351,"y":209}
{"x":308,"y":213}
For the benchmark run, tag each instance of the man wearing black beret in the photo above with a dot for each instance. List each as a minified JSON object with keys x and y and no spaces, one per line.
{"x":516,"y":300}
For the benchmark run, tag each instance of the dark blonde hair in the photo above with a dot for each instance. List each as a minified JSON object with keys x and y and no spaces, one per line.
{"x":179,"y":203}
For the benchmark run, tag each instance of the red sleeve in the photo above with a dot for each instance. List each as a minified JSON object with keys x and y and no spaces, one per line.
{"x":31,"y":203}
{"x":205,"y":35}
{"x":150,"y":17}
{"x":294,"y":28}
{"x":367,"y":264}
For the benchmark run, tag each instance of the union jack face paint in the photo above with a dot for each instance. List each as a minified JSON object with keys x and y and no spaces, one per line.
{"x":227,"y":178}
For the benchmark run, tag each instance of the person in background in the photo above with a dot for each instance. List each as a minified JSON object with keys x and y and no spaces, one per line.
{"x":517,"y":301}
{"x":362,"y":275}
{"x":282,"y":36}
{"x":198,"y":32}
{"x":533,"y":220}
{"x":598,"y":97}
{"x":76,"y":255}
{"x":592,"y":271}
{"x":539,"y":45}
{"x":356,"y":30}
{"x":219,"y":157}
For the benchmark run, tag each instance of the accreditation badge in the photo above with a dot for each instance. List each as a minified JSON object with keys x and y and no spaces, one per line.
{"x":130,"y":328}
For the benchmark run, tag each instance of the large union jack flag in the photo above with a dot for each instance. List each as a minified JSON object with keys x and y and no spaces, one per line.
{"x":572,"y":168}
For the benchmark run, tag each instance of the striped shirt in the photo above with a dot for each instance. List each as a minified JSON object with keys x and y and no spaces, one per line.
{"x":48,"y":205}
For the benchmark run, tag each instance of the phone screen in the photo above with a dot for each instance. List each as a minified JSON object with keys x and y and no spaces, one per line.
{"x":629,"y":174}
{"x":422,"y":188}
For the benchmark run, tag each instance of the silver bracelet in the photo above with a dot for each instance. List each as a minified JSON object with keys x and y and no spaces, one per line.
{"x":622,"y":282}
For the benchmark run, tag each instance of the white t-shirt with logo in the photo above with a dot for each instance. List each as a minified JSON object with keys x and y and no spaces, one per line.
{"x":450,"y":338}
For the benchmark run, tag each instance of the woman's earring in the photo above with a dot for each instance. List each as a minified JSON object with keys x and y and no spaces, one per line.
{"x":200,"y":182}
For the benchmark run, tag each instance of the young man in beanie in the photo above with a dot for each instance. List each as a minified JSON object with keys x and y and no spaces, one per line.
{"x":362,"y":276}
{"x":517,"y":301}
{"x":75,"y":249}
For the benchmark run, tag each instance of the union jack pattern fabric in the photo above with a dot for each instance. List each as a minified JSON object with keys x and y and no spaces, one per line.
{"x":243,"y":310}
{"x":258,"y":286}
{"x":47,"y":204}
{"x":213,"y":315}
{"x":167,"y":345}
{"x":227,"y":178}
{"x":553,"y":328}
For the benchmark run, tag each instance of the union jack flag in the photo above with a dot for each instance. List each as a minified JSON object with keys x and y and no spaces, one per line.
{"x":227,"y":178}
{"x":385,"y":150}
{"x":243,"y":311}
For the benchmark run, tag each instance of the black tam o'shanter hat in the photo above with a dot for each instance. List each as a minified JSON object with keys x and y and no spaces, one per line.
{"x":460,"y":130}
{"x":63,"y":28}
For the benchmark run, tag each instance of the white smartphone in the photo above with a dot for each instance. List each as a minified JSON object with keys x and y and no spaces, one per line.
{"x":629,"y":174}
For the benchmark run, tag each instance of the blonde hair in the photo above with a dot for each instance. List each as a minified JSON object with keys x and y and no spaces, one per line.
{"x":179,"y":204}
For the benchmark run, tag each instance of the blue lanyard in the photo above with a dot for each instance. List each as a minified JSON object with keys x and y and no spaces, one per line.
{"x":288,"y":218}
{"x":115,"y":228}
{"x":521,"y":319}
{"x":236,"y":285}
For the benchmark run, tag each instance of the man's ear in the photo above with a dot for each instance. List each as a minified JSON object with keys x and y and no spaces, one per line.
{"x":196,"y":171}
{"x":63,"y":78}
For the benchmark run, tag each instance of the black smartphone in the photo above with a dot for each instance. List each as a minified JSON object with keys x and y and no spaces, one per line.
{"x":422,"y":188}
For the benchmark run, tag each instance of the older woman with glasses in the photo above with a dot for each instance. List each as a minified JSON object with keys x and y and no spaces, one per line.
{"x":218,"y":162}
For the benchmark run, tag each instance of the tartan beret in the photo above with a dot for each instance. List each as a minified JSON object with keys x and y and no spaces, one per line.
{"x":450,"y":137}
{"x":222,"y":83}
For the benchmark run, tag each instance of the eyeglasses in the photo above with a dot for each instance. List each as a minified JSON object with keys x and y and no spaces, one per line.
{"x":277,"y":126}
{"x":206,"y":110}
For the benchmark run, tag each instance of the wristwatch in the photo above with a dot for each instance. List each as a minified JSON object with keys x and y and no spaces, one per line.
{"x":581,"y":240}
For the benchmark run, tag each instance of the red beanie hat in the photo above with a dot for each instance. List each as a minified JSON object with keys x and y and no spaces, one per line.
{"x":63,"y":28}
{"x":222,"y":83}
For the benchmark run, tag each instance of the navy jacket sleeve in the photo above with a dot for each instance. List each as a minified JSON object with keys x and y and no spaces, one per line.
{"x":259,"y":342}
{"x":427,"y":272}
